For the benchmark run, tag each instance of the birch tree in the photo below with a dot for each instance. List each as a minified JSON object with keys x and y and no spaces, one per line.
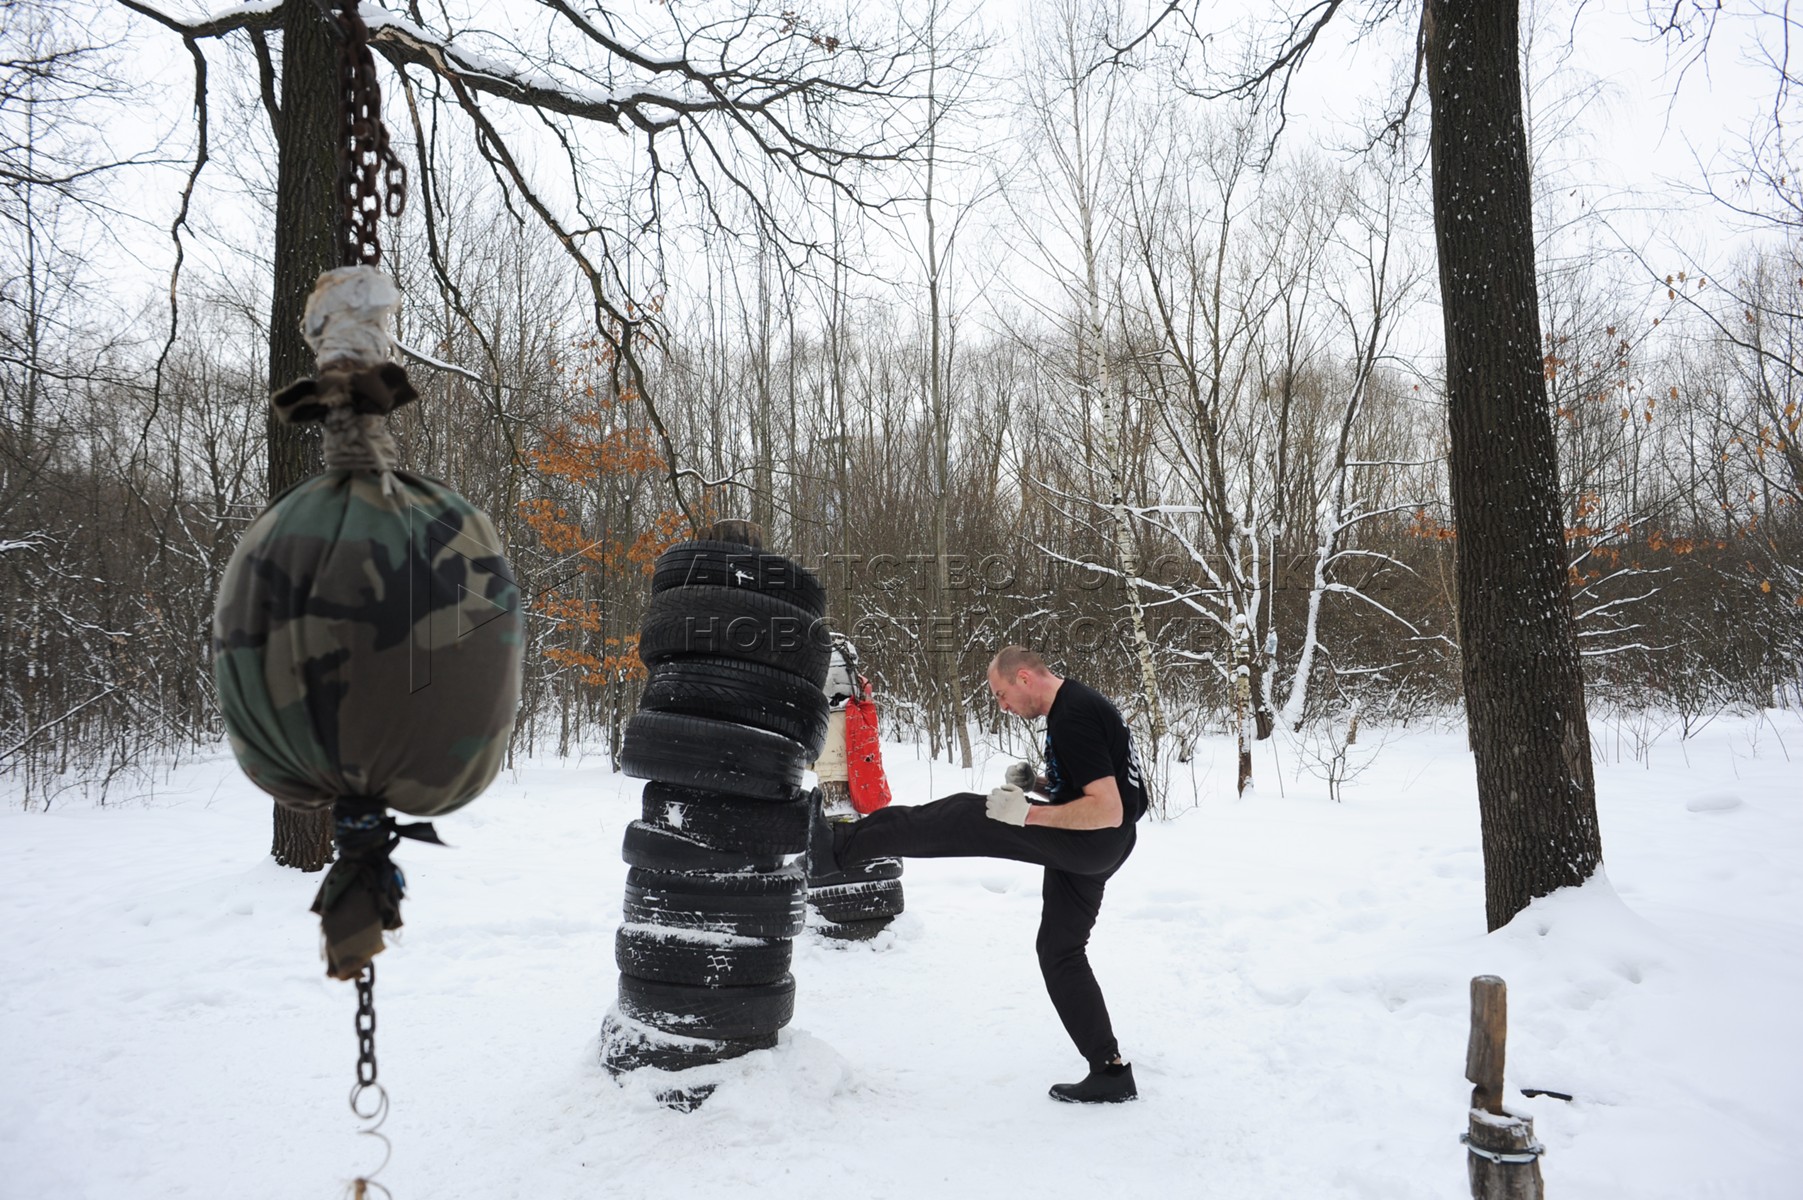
{"x":1078,"y":115}
{"x":1381,"y":283}
{"x":1210,"y":266}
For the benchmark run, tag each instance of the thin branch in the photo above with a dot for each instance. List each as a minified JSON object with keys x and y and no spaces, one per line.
{"x":264,"y":16}
{"x":175,"y":232}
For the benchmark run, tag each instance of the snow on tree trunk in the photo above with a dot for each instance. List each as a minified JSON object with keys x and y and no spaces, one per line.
{"x":1334,"y":524}
{"x":1245,"y":719}
{"x":1524,"y":694}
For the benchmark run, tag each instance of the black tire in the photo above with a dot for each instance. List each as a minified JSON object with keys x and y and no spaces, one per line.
{"x":717,"y":756}
{"x":858,"y":901}
{"x":704,"y":960}
{"x":728,"y":823}
{"x":724,"y":622}
{"x":728,"y":564}
{"x":627,"y":1045}
{"x":864,"y":872}
{"x":702,"y":1012}
{"x":658,"y":849}
{"x":853,"y":931}
{"x":750,"y":915}
{"x":788,"y":880}
{"x":749,"y":693}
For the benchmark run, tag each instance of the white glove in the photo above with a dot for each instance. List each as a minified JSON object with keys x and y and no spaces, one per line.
{"x":1007,"y":804}
{"x":1023,"y":776}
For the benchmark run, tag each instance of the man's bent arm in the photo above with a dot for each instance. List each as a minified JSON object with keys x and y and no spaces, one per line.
{"x":1099,"y":807}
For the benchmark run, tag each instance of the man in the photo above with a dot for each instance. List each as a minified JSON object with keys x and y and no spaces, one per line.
{"x":1081,"y":835}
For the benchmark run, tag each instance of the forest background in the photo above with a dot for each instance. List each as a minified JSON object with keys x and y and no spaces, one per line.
{"x":1069,"y":354}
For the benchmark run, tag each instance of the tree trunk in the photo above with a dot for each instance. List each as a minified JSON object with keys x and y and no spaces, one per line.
{"x":1242,"y":696}
{"x":1524,"y":693}
{"x":306,"y":243}
{"x":763,"y":434}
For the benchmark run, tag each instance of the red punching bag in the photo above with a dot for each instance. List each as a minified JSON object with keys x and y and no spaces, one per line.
{"x":863,"y":756}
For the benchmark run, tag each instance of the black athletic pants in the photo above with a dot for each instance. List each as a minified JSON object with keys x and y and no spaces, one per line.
{"x":1078,"y":864}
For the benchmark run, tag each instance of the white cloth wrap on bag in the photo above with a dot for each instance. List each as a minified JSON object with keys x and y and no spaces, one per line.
{"x":346,"y":322}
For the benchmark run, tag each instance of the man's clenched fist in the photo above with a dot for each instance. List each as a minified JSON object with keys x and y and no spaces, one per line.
{"x":1022,"y":776}
{"x":1007,"y":804}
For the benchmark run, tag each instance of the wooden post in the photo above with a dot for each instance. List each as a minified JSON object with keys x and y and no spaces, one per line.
{"x":1489,"y":1032}
{"x":1502,"y":1158}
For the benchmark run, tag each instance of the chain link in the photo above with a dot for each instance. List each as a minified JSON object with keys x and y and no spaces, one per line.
{"x":366,"y":1027}
{"x":369,"y":1100}
{"x":372,"y":182}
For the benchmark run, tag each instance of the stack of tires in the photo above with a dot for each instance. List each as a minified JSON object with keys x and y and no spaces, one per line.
{"x":732,"y":712}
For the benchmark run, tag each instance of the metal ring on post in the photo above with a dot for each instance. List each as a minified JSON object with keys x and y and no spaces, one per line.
{"x":1529,"y":1155}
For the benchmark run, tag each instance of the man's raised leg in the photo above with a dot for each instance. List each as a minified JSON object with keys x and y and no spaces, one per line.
{"x":957,"y":827}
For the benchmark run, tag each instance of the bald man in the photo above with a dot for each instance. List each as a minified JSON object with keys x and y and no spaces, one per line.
{"x":1079,"y":827}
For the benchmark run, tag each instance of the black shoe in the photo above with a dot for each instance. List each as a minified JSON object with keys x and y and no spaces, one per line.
{"x":1110,"y":1084}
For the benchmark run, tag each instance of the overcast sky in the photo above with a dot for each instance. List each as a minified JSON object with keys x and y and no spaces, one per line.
{"x":1632,"y":151}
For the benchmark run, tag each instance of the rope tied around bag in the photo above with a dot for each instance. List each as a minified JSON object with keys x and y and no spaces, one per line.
{"x":361,"y":895}
{"x":358,"y":385}
{"x":346,"y":323}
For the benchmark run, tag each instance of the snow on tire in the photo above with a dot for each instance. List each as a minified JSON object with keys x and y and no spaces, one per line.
{"x":781,"y":881}
{"x":728,"y":564}
{"x":770,"y":914}
{"x":628,"y":1044}
{"x":754,"y":904}
{"x":720,"y":756}
{"x":860,"y":930}
{"x":658,"y":849}
{"x":689,"y":956}
{"x":725,"y":622}
{"x":746,"y":692}
{"x":704,"y":1012}
{"x":728,"y":823}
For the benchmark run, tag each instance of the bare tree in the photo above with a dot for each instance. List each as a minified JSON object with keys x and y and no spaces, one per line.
{"x":1208,"y":276}
{"x":1381,"y":287}
{"x":1078,"y":117}
{"x":1523,"y":686}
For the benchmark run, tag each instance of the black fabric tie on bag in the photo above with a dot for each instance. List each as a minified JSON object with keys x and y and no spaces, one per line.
{"x":361,"y":894}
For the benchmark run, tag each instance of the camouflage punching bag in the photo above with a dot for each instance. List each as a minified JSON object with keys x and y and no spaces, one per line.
{"x":368,"y":631}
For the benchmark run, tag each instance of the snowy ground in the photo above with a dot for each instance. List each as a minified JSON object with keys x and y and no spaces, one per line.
{"x":1288,"y":975}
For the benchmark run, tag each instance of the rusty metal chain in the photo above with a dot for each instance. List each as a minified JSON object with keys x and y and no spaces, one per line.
{"x":366,"y":1027}
{"x":372,"y":182}
{"x":369,"y":1099}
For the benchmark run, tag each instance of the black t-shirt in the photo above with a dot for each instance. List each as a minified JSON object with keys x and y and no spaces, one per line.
{"x":1085,"y":739}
